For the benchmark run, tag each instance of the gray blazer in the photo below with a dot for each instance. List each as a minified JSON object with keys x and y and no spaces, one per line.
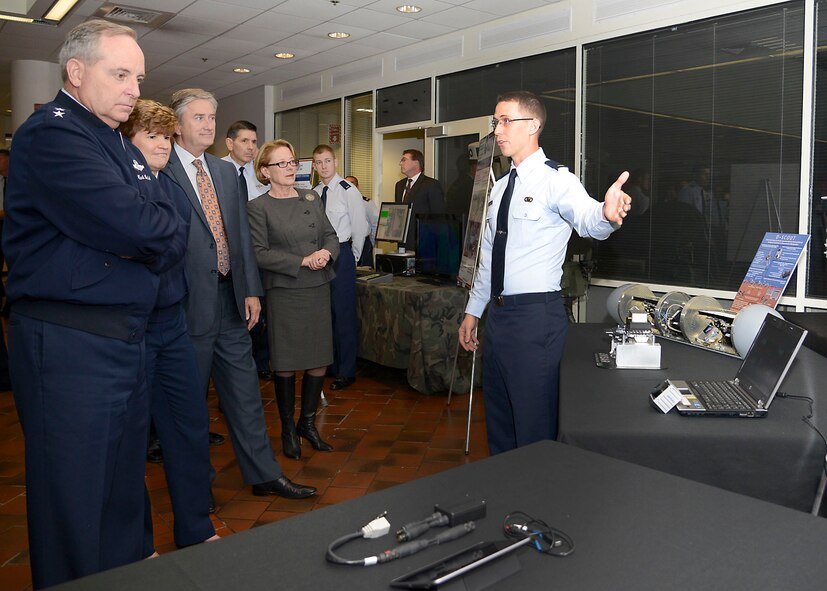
{"x":286,"y":232}
{"x":200,"y":263}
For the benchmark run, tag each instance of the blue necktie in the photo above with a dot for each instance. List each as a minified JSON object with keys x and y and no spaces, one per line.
{"x":500,"y":238}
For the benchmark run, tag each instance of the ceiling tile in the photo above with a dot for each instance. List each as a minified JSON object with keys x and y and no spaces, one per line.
{"x":459,"y":14}
{"x":322,"y":30}
{"x":226,"y":13}
{"x":313,"y":44}
{"x":371,"y":19}
{"x":284,"y":22}
{"x":234,"y":47}
{"x":427,"y":6}
{"x":256,"y":34}
{"x":422,"y":29}
{"x":505,"y":8}
{"x":322,"y":9}
{"x":188,"y":24}
{"x":386,"y":41}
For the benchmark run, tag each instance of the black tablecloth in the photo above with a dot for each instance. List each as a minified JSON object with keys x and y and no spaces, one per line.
{"x":634,"y":528}
{"x":777,"y":458}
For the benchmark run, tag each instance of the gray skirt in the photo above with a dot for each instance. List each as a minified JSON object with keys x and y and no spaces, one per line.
{"x":299,"y":327}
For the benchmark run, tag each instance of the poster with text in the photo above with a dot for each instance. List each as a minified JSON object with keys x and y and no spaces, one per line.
{"x":476,"y":212}
{"x":770,"y":270}
{"x":304,"y":174}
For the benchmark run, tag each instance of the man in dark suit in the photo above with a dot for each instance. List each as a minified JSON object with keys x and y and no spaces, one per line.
{"x":224,"y":288}
{"x":87,"y":231}
{"x":422,"y":192}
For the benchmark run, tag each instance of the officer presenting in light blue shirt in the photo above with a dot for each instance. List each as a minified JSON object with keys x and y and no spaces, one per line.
{"x":520,"y":268}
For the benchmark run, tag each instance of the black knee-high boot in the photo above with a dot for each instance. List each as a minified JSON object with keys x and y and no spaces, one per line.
{"x":286,"y":402}
{"x":306,"y":427}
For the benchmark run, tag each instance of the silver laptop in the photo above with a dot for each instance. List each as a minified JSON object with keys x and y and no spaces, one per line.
{"x":758,"y":379}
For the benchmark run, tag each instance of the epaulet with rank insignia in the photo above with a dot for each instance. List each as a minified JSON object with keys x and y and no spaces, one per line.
{"x":556,"y":165}
{"x":345,"y":185}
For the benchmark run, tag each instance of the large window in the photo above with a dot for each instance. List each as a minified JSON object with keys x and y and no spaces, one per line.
{"x":307,"y":127}
{"x":473,"y":93}
{"x":359,"y":141}
{"x":707,"y":116}
{"x":404,"y":103}
{"x":817,"y":279}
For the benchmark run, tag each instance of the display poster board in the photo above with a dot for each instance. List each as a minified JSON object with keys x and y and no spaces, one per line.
{"x":393,"y":221}
{"x":770,"y":270}
{"x":304,"y":174}
{"x":476,"y":212}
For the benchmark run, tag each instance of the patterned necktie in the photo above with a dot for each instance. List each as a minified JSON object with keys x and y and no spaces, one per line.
{"x":500,"y":238}
{"x":209,"y":203}
{"x":407,"y":190}
{"x":324,"y":196}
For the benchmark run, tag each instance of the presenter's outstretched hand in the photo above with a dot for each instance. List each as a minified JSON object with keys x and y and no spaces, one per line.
{"x":468,"y":333}
{"x":616,"y":203}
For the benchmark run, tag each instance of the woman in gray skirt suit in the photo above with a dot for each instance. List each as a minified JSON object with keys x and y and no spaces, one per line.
{"x":295,"y":247}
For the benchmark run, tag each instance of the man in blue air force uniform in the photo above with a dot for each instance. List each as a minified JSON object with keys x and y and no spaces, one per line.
{"x":346,"y":211}
{"x":87,"y":232}
{"x":530,"y":217}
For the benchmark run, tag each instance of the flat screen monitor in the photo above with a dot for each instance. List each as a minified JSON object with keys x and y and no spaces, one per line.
{"x":393,"y":221}
{"x":439,"y":245}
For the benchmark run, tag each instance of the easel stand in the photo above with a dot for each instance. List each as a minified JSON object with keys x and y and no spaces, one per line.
{"x":470,"y":388}
{"x":486,"y":158}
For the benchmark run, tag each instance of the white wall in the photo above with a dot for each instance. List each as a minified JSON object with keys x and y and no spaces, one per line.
{"x":256,"y":106}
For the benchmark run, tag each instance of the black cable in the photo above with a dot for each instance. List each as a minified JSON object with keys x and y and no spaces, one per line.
{"x":335,"y":558}
{"x":547,"y":539}
{"x":808,"y":420}
{"x":378,"y":528}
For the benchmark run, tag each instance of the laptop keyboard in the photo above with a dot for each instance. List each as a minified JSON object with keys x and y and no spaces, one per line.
{"x":720,"y":396}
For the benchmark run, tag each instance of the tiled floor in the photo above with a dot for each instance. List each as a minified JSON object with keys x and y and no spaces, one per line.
{"x":384,"y":433}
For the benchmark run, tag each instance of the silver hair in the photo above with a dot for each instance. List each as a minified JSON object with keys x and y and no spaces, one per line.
{"x":83,"y":42}
{"x":181,"y":98}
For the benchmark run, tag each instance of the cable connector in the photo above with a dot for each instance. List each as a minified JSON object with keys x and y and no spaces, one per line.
{"x":377,"y":528}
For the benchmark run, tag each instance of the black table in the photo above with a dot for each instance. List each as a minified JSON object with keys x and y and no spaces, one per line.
{"x":634,"y":528}
{"x":777,"y":458}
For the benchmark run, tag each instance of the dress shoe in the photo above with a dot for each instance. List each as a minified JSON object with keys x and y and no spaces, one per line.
{"x":283,"y":487}
{"x":265,"y":374}
{"x":342,"y":383}
{"x":212,"y":502}
{"x":216,"y":438}
{"x":154,"y":453}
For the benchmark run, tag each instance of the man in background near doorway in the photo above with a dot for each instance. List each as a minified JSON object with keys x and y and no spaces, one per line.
{"x":422,"y":192}
{"x":346,"y":211}
{"x":242,"y":143}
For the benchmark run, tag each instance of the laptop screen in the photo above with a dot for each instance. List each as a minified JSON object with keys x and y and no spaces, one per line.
{"x":769,"y":358}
